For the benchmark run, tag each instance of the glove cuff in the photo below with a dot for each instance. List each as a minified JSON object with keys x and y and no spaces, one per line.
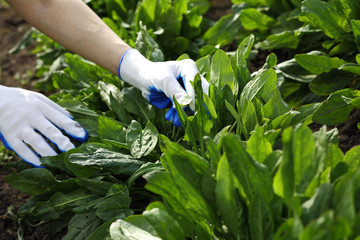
{"x":121,"y":60}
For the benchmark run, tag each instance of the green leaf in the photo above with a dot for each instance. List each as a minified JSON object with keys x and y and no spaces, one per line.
{"x":356,"y":30}
{"x":284,"y":39}
{"x":164,"y":224}
{"x":146,"y":45}
{"x":327,"y":83}
{"x":253,"y":19}
{"x":262,"y":86}
{"x":141,"y":142}
{"x":305,"y":113}
{"x":121,"y":230}
{"x":224,"y":30}
{"x":243,"y":51}
{"x":253,"y":177}
{"x":116,"y":204}
{"x":284,"y":179}
{"x":145,"y":168}
{"x":64,"y":201}
{"x":319,"y":203}
{"x":81,"y":226}
{"x":326,"y":227}
{"x":335,"y":109}
{"x":32,"y":181}
{"x":351,"y":67}
{"x":317,"y":63}
{"x":292,"y":70}
{"x":325,"y":16}
{"x":135,"y":103}
{"x":226,"y":198}
{"x":101,"y":232}
{"x":260,"y":219}
{"x":258,"y":146}
{"x":111,"y":129}
{"x":112,"y":96}
{"x":115,"y":162}
{"x":221,"y":71}
{"x":352,"y":158}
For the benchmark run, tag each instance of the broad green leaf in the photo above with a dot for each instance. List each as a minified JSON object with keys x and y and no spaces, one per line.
{"x":243,"y":51}
{"x":112,"y":97}
{"x":261,"y":221}
{"x":327,"y":226}
{"x":224,"y":31}
{"x":226,"y":200}
{"x":147,"y":45}
{"x":145,"y":168}
{"x":319,"y":203}
{"x":115,"y":162}
{"x":111,"y":129}
{"x":221,"y":71}
{"x":253,"y":19}
{"x":141,"y":142}
{"x":284,"y":179}
{"x":162,"y":183}
{"x":136,"y":104}
{"x":305,"y":113}
{"x":164,"y":224}
{"x":303,"y":147}
{"x":276,"y":106}
{"x":345,"y":190}
{"x":317,"y":63}
{"x":356,"y":30}
{"x":32,"y":181}
{"x":64,"y":201}
{"x":351,"y":67}
{"x":140,"y":222}
{"x":285,"y":39}
{"x":121,"y":230}
{"x":186,"y":169}
{"x":325,"y":16}
{"x":265,"y":81}
{"x":115,"y":206}
{"x":253,"y":177}
{"x":101,"y":232}
{"x":78,"y":69}
{"x":352,"y":158}
{"x":335,"y":109}
{"x":81,"y":226}
{"x":249,"y":118}
{"x":292,"y":70}
{"x":78,"y":108}
{"x":258,"y":146}
{"x":329,"y":82}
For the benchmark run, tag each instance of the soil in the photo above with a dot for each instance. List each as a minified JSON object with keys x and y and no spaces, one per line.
{"x":18,"y":70}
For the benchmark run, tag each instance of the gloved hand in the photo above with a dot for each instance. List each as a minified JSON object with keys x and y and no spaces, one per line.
{"x":25,"y":116}
{"x":159,"y":82}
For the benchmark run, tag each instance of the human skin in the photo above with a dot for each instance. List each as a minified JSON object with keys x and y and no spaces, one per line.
{"x":75,"y":26}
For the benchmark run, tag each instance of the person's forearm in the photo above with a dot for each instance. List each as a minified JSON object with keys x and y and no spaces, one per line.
{"x":74,"y":25}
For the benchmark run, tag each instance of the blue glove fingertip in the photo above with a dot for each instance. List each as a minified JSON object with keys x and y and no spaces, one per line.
{"x":169,"y":116}
{"x":177,"y":122}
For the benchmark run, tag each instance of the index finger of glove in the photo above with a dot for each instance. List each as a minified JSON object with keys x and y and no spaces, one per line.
{"x":64,"y":122}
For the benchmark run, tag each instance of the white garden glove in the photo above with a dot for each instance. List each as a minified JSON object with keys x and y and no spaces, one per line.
{"x":25,"y":114}
{"x":159,"y":82}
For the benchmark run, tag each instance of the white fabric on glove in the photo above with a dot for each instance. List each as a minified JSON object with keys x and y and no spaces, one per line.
{"x":159,"y":82}
{"x":25,"y":114}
